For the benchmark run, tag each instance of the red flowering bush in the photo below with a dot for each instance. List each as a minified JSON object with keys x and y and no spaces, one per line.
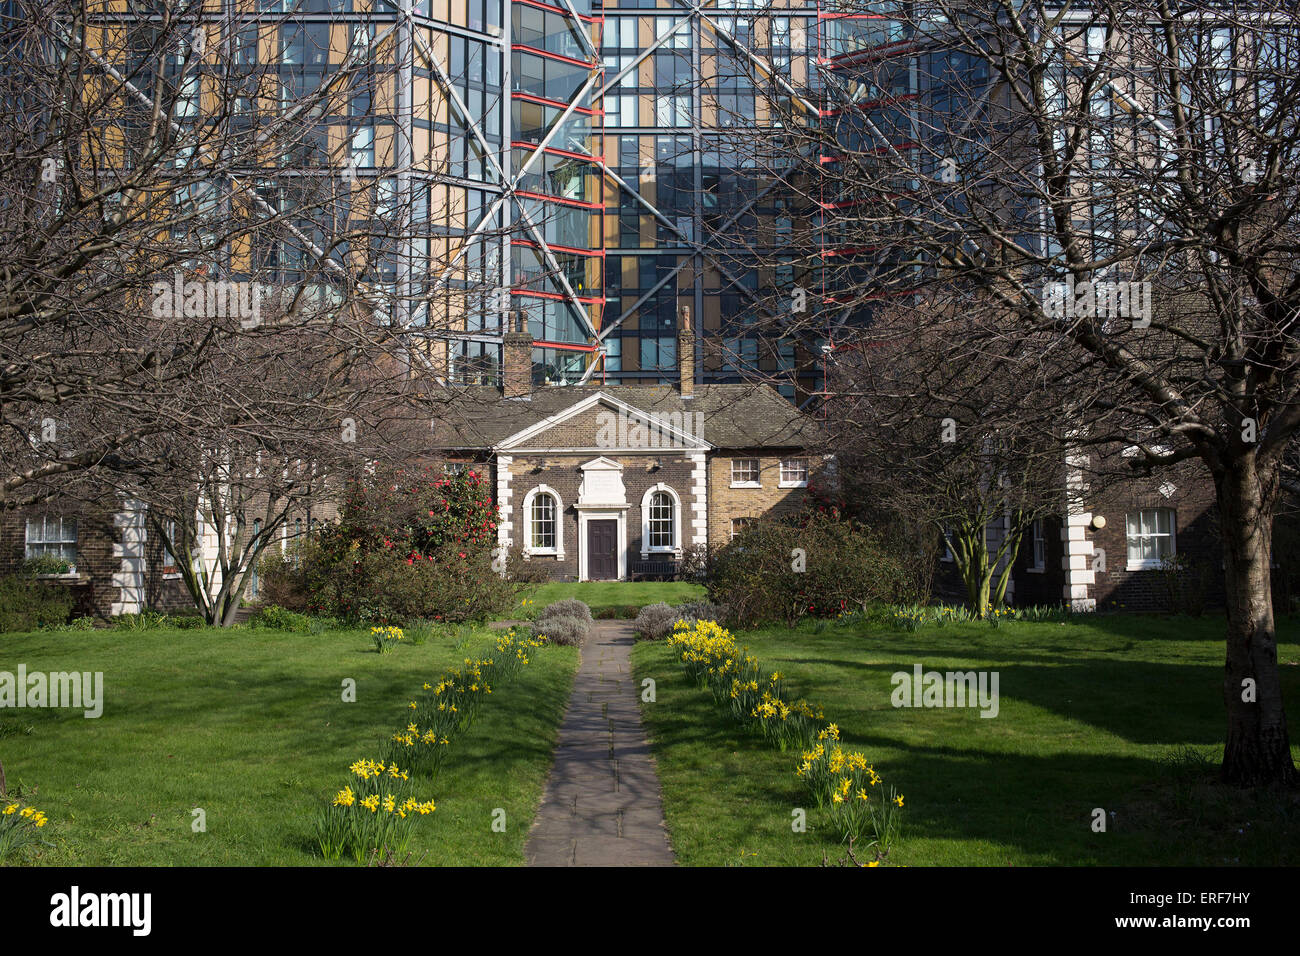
{"x":409,"y":543}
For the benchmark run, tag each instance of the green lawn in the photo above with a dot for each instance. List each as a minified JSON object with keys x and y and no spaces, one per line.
{"x":250,"y":726}
{"x":628,"y":595}
{"x":1090,"y":716}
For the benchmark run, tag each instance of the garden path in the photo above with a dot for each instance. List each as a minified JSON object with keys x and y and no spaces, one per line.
{"x":603,"y":805}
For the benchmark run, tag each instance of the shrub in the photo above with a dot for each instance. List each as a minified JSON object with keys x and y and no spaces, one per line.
{"x":186,"y":622}
{"x":27,"y":604}
{"x":568,"y":607}
{"x":696,"y":562}
{"x":655,"y":621}
{"x":617,"y":612}
{"x":83,"y":623}
{"x":814,"y":564}
{"x":562,"y":629}
{"x":47,"y":564}
{"x":281,"y":579}
{"x":384,"y":587}
{"x":276,"y":618}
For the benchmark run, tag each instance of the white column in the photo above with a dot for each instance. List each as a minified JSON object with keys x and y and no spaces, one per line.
{"x":700,"y":498}
{"x":129,"y":578}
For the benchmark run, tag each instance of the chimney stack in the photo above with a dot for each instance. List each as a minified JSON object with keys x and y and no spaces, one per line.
{"x":517,"y":358}
{"x":686,"y":354}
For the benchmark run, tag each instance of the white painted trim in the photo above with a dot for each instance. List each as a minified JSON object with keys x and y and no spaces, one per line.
{"x":526,"y":522}
{"x":1077,"y":562}
{"x":596,"y":513}
{"x":504,"y":525}
{"x":676,"y":549}
{"x":700,"y":506}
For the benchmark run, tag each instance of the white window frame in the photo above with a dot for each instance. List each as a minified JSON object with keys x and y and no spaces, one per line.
{"x":62,"y":542}
{"x":1150,"y":564}
{"x":758,"y":471}
{"x":170,"y":569}
{"x":945,"y":534}
{"x":735,"y":533}
{"x":556,"y":552}
{"x":676,"y":548}
{"x":794,"y":483}
{"x":1038,"y":547}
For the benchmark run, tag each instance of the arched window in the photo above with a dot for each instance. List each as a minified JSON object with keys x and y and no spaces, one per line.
{"x":543,"y":529}
{"x":543,"y":523}
{"x":661,"y":521}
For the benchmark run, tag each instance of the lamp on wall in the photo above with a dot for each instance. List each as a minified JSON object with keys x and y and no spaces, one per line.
{"x":1098,"y":522}
{"x":655,"y":465}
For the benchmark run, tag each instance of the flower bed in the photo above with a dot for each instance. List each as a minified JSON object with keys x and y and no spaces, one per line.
{"x":843,"y":783}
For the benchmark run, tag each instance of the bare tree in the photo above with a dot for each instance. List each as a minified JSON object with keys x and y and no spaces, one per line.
{"x":1114,"y":185}
{"x":174,"y":206}
{"x":954,"y":446}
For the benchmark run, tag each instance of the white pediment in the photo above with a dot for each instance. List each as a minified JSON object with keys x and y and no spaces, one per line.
{"x":623,"y":427}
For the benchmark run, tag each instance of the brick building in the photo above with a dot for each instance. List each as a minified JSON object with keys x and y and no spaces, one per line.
{"x":1136,"y":544}
{"x":611,"y":482}
{"x":594,"y":482}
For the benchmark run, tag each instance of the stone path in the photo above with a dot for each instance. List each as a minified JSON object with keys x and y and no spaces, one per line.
{"x":603,"y":805}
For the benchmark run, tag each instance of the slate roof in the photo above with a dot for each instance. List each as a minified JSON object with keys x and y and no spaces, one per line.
{"x":735,"y":416}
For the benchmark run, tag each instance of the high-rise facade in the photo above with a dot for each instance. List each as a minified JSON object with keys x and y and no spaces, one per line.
{"x":587,"y":164}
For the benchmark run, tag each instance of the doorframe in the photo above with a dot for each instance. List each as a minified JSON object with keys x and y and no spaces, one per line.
{"x":597,"y":513}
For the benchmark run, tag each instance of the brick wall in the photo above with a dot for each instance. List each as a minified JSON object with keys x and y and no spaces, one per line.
{"x":1191,"y":498}
{"x":726,"y":502}
{"x":563,"y":475}
{"x":97,"y":586}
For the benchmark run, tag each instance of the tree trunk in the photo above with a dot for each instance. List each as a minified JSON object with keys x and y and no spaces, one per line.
{"x":1258,"y":749}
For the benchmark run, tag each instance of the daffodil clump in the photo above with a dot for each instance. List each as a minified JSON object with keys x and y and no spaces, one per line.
{"x":844,"y":784}
{"x":712,"y":659}
{"x":374,"y":812}
{"x":386,"y":638}
{"x":19,"y":826}
{"x":446,"y":708}
{"x":441,"y":710}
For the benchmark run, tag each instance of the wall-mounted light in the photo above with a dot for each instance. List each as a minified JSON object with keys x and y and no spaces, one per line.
{"x":655,"y":465}
{"x":1098,"y":522}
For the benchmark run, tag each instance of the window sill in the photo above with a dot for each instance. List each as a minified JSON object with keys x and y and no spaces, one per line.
{"x":543,"y":553}
{"x":1147,"y":565}
{"x":793,"y":484}
{"x":69,"y":576}
{"x":1042,"y":570}
{"x":747,"y":484}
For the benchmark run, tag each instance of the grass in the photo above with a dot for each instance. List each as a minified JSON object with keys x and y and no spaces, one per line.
{"x":617,"y":598}
{"x":250,"y":726}
{"x":1123,"y":713}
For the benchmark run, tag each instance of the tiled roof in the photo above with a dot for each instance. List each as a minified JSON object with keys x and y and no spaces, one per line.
{"x":734,"y":416}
